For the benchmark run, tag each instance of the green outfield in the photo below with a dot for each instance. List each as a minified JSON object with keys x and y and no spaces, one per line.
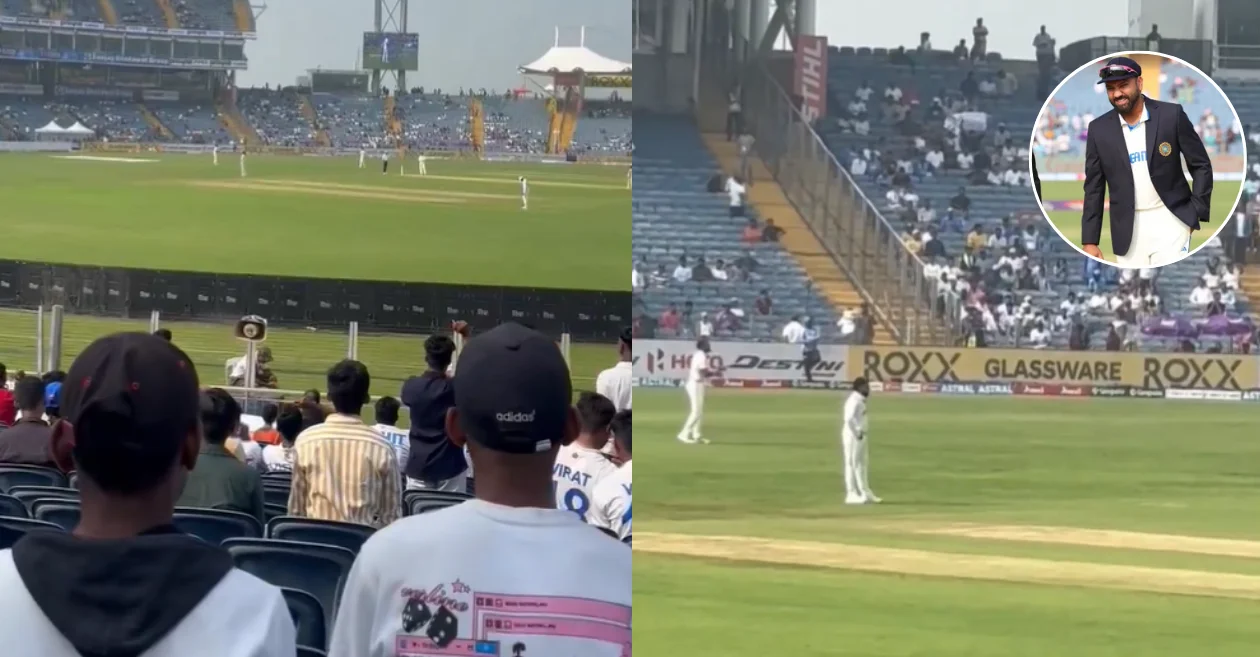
{"x":312,"y":217}
{"x":1029,"y":527}
{"x":1224,"y":196}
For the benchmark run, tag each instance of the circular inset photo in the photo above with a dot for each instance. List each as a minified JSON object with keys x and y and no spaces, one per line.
{"x":1140,"y":158}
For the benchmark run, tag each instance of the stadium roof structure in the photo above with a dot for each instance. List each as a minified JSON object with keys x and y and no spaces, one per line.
{"x":574,"y":59}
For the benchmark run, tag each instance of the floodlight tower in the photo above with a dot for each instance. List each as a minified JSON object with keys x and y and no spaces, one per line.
{"x":391,"y":16}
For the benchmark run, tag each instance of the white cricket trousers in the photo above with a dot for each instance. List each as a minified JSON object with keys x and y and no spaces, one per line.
{"x":856,"y":460}
{"x":1159,"y":238}
{"x":242,"y":166}
{"x":420,"y":167}
{"x":691,"y":428}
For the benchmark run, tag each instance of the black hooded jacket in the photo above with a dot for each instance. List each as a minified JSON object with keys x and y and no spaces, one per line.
{"x":117,"y":598}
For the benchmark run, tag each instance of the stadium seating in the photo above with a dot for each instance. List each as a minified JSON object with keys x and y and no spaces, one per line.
{"x":192,"y":123}
{"x":27,"y":475}
{"x":217,"y":525}
{"x":115,"y":120}
{"x":416,"y":502}
{"x":347,"y":535}
{"x":353,"y":121}
{"x":139,"y":12}
{"x":24,"y":116}
{"x":673,"y":215}
{"x":309,"y":618}
{"x":28,"y":494}
{"x":12,"y":529}
{"x":320,"y":570}
{"x":12,"y":507}
{"x":205,"y":15}
{"x":63,"y":513}
{"x":989,"y":203}
{"x":276,"y":117}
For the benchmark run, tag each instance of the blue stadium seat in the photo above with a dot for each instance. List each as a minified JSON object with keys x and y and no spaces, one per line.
{"x":63,"y":513}
{"x":29,"y":475}
{"x":344,"y":534}
{"x":217,"y":525}
{"x":320,"y":570}
{"x":307,"y":651}
{"x":276,"y":492}
{"x":12,"y":529}
{"x":308,"y":617}
{"x":416,"y":502}
{"x":28,"y":494}
{"x":12,"y":507}
{"x":272,"y":511}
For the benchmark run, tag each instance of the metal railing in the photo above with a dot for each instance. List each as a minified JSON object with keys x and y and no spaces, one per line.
{"x":863,"y":243}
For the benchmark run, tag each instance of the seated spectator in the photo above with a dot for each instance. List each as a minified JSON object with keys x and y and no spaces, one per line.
{"x":960,"y":204}
{"x":27,"y":441}
{"x":387,"y":425}
{"x":126,"y":581}
{"x":511,"y":540}
{"x":701,"y":272}
{"x":913,"y":245}
{"x":344,"y":470}
{"x":771,"y":232}
{"x":752,"y":232}
{"x":961,"y":51}
{"x":220,"y":480}
{"x":1200,"y":296}
{"x":976,"y":239}
{"x":52,"y":400}
{"x":682,"y":273}
{"x":278,"y":457}
{"x":1216,"y":306}
{"x":8,"y":410}
{"x":267,"y":434}
{"x":243,"y":447}
{"x":669,"y":319}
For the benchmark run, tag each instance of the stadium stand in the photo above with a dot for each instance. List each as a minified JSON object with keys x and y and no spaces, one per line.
{"x":352,"y":120}
{"x":139,"y":12}
{"x":674,"y":216}
{"x":206,"y":14}
{"x":276,"y":116}
{"x":196,"y":124}
{"x":1024,"y":288}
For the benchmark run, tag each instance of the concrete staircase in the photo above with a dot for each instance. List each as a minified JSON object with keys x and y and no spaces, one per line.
{"x":108,"y":12}
{"x":236,"y":125}
{"x":154,"y":122}
{"x":798,"y":240}
{"x":393,"y":127}
{"x":168,"y":12}
{"x":1249,"y":283}
{"x":308,"y":110}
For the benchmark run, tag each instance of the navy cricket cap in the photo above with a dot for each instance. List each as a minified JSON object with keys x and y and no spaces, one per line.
{"x":139,"y":381}
{"x":513,"y":391}
{"x":1119,"y":68}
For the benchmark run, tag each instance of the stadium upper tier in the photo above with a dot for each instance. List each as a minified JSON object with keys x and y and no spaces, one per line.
{"x":220,"y":15}
{"x":674,"y":215}
{"x":989,"y":203}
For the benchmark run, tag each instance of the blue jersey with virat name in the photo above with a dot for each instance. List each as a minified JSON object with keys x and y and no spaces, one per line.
{"x":574,"y":476}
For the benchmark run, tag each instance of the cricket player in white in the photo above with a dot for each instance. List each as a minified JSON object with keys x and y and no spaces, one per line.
{"x":524,"y":193}
{"x":581,"y":466}
{"x":611,"y":501}
{"x":216,"y":155}
{"x":362,"y":157}
{"x":629,"y":176}
{"x":242,"y":162}
{"x":697,"y":378}
{"x":420,"y":168}
{"x":854,"y":441}
{"x":384,"y":162}
{"x":1159,"y":237}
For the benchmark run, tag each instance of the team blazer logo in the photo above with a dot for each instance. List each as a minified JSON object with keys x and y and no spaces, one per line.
{"x":1165,"y":149}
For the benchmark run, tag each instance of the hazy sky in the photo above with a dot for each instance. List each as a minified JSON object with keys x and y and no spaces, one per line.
{"x":470,"y":43}
{"x":1011,"y":23}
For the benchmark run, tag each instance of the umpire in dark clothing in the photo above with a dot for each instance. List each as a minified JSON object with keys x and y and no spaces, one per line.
{"x":435,"y":463}
{"x":220,"y":480}
{"x":27,"y":441}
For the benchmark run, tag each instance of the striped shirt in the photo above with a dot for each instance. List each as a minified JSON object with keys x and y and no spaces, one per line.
{"x":344,"y":470}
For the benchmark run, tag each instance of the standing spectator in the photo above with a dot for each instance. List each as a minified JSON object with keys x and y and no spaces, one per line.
{"x":434,"y":463}
{"x":1153,"y":38}
{"x":746,"y":142}
{"x":734,"y":115}
{"x":1044,"y":45}
{"x":615,"y":382}
{"x":267,"y":434}
{"x":669,"y":320}
{"x":52,"y":400}
{"x":279,"y":457}
{"x":1240,"y":237}
{"x":387,"y":425}
{"x":344,"y":470}
{"x":27,"y":441}
{"x":221,"y":480}
{"x":960,"y":50}
{"x":514,"y":412}
{"x":8,"y":411}
{"x":979,"y":40}
{"x":735,"y":194}
{"x":126,"y":581}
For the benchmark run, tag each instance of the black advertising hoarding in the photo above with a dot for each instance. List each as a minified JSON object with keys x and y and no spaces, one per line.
{"x":377,"y":305}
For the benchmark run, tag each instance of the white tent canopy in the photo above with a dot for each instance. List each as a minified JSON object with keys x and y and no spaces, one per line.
{"x":79,"y":129}
{"x":51,"y":129}
{"x":570,"y":59}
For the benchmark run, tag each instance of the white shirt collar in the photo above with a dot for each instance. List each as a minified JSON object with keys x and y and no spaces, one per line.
{"x":1146,"y":114}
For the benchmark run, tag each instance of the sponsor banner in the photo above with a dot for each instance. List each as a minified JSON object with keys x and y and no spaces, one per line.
{"x":1209,"y":395}
{"x":958,"y":389}
{"x":1037,"y":389}
{"x":85,"y":26}
{"x":742,"y":361}
{"x":1110,"y":391}
{"x":1075,"y":368}
{"x":21,"y":89}
{"x":75,"y":57}
{"x":159,"y":94}
{"x":1075,"y":391}
{"x":809,"y":81}
{"x":95,"y":92}
{"x":1251,"y":395}
{"x":36,"y":146}
{"x":1143,"y":393}
{"x":536,"y":158}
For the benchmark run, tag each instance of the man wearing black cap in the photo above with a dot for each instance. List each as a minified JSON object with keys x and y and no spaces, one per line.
{"x":126,"y":582}
{"x":1135,"y":150}
{"x":461,"y":574}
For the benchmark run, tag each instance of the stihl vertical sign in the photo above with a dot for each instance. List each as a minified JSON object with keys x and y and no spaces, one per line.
{"x":810,"y":83}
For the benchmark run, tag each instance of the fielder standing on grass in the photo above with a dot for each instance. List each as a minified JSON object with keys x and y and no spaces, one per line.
{"x":853,"y":440}
{"x":1135,"y":150}
{"x":242,"y":161}
{"x":524,"y":192}
{"x":697,"y":378}
{"x":421,"y":170}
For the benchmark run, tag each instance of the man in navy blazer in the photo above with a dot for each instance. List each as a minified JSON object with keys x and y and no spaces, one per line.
{"x":1135,"y":150}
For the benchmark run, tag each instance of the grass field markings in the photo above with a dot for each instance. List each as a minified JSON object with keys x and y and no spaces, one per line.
{"x":539,"y":182}
{"x":320,"y":191}
{"x":926,"y":563}
{"x":381,"y":188}
{"x":1103,"y":538}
